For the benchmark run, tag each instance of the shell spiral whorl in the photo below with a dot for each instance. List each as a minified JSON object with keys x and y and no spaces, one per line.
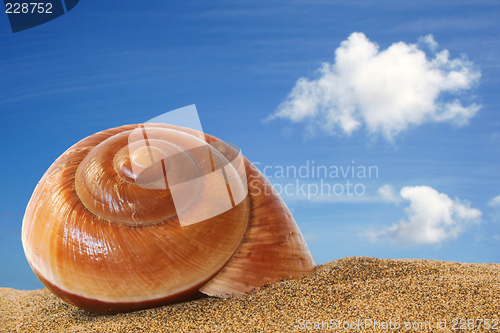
{"x":103,"y":229}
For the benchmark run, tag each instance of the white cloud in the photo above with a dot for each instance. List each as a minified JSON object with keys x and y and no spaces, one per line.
{"x":388,"y":194}
{"x":429,"y":40}
{"x":432,"y":218}
{"x":386,"y":91}
{"x":495,"y":202}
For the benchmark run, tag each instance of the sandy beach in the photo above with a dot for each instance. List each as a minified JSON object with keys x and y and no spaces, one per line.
{"x":349,"y":294}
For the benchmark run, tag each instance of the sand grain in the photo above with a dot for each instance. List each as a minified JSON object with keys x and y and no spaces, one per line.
{"x":349,"y":289}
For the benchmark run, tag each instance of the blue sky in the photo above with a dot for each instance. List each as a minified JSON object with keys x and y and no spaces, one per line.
{"x":431,"y":127}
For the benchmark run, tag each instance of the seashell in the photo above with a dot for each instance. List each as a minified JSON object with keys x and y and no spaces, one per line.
{"x":107,"y":229}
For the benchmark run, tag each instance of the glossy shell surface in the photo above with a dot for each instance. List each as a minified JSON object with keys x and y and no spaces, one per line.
{"x":101,"y":241}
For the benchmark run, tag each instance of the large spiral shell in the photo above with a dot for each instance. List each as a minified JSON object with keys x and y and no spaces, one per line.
{"x":110,"y":232}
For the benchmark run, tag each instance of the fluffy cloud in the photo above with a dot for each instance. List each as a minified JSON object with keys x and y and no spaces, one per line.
{"x":388,"y":194}
{"x":386,"y":91}
{"x":432,"y":218}
{"x":495,"y":202}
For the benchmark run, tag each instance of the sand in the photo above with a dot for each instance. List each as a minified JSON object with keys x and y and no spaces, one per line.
{"x":358,"y":293}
